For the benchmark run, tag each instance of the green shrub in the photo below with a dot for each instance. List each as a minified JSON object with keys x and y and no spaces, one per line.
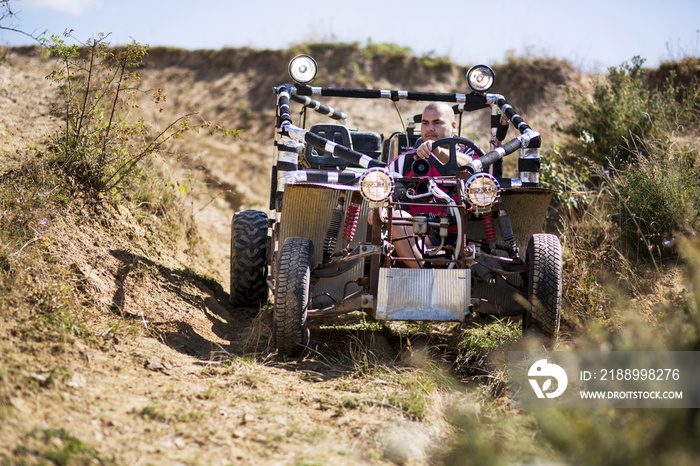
{"x":611,"y":124}
{"x":567,"y":177}
{"x":658,"y":200}
{"x":102,"y":143}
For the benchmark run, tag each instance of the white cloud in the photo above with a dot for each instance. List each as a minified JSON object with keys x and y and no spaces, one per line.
{"x":73,"y":7}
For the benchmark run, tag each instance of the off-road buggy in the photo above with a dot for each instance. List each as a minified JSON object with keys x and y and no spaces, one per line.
{"x":320,"y":256}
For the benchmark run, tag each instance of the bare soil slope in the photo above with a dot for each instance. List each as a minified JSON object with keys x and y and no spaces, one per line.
{"x":164,"y":377}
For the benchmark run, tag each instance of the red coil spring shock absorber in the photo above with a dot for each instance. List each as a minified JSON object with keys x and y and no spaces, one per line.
{"x":489,"y":228}
{"x":351,"y":222}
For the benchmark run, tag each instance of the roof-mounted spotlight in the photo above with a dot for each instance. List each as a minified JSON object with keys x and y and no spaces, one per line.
{"x":480,"y":78}
{"x":302,"y":69}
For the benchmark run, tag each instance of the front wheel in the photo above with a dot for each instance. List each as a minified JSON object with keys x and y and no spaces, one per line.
{"x":292,"y":289}
{"x":544,"y":285}
{"x":248,"y":259}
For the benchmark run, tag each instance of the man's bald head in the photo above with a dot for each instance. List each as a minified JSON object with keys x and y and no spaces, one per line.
{"x":443,"y":108}
{"x":438,"y":121}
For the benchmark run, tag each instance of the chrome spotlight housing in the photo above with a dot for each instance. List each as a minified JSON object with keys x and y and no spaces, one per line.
{"x":376,"y":185}
{"x":303,"y":69}
{"x":480,"y":78}
{"x":483,"y":191}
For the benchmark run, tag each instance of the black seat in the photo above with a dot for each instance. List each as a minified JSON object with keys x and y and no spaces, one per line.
{"x":322,"y":159}
{"x":367,"y":143}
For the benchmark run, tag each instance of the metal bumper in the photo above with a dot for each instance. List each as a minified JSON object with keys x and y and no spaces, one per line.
{"x":423,"y":294}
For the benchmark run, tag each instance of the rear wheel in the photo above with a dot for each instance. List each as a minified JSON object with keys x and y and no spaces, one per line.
{"x":292,"y":288}
{"x":248,"y":259}
{"x":544,"y":285}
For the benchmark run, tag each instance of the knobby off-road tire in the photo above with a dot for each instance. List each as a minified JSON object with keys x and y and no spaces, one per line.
{"x":248,"y":259}
{"x":544,"y":285}
{"x":292,"y":288}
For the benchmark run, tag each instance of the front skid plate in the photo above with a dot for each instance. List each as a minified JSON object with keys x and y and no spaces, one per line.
{"x":423,"y":294}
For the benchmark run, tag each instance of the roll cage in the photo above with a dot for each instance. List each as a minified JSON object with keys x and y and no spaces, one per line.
{"x":290,"y":136}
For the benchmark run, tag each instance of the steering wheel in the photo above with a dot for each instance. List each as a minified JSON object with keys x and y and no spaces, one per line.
{"x":421,"y":166}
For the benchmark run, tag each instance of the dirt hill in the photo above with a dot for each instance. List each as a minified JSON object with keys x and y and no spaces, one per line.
{"x":155,"y":367}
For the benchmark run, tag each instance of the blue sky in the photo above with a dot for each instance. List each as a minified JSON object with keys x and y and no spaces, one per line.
{"x":593,"y":34}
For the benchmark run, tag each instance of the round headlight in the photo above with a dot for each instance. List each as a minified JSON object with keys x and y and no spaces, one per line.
{"x":376,"y":185}
{"x":480,"y":78}
{"x":302,"y":69}
{"x":482,"y":191}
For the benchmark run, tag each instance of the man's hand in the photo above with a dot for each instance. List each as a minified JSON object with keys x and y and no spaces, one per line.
{"x":463,"y":159}
{"x":424,"y":150}
{"x":441,"y":153}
